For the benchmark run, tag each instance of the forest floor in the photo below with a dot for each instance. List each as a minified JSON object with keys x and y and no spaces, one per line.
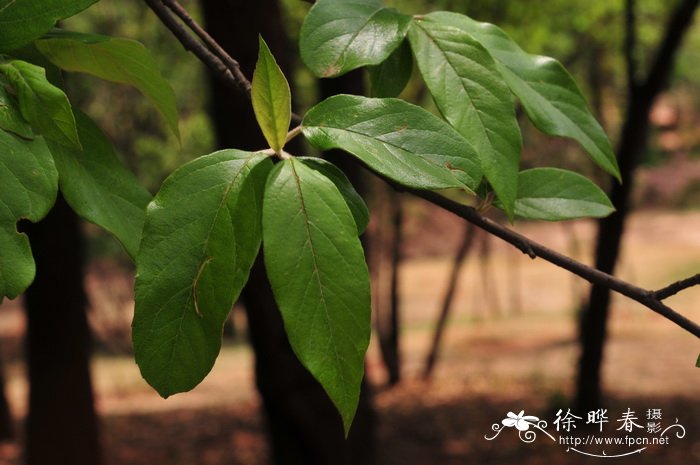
{"x":510,"y":346}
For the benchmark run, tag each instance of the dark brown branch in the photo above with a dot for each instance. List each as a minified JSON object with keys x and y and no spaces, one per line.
{"x":534,"y":250}
{"x":531,"y":248}
{"x":198,"y":48}
{"x":211,"y":44}
{"x":202,"y":45}
{"x":678,"y":286}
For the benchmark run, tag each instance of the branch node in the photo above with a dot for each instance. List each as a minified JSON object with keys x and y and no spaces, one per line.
{"x":527,"y":250}
{"x":675,"y":288}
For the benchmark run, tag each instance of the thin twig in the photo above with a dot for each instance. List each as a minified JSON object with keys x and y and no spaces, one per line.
{"x":195,"y":46}
{"x":211,"y":44}
{"x":650,"y":299}
{"x":678,"y":286}
{"x":203,"y":45}
{"x":534,"y":250}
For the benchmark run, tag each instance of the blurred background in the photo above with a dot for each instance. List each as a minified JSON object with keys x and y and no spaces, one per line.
{"x":466,"y":328}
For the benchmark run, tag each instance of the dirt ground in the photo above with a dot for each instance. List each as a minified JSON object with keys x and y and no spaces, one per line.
{"x":510,"y":346}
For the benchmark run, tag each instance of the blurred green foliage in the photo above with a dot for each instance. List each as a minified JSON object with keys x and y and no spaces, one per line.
{"x":132,"y":124}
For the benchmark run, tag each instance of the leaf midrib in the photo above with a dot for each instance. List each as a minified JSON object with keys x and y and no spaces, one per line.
{"x":190,"y":296}
{"x":316,"y":270}
{"x":272,"y":117}
{"x":483,"y":126}
{"x":421,"y":156}
{"x":341,"y":55}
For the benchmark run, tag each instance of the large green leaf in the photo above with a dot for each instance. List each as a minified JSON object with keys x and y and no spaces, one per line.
{"x":272,"y":99}
{"x":399,"y":140}
{"x":98,"y":186}
{"x":357,"y":205}
{"x":201,"y":235}
{"x":22,"y":21}
{"x":28,"y":186}
{"x":11,"y":118}
{"x":390,"y":77}
{"x":554,"y":194}
{"x":468,"y":90}
{"x":547,"y":92}
{"x":318,"y":274}
{"x":340,"y":35}
{"x":117,"y":60}
{"x":42,"y":104}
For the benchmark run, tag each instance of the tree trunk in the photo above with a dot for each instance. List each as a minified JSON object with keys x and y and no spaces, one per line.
{"x":7,"y":431}
{"x":391,"y":341}
{"x":457,"y":264}
{"x":633,"y":142}
{"x":304,"y":426}
{"x":61,"y":425}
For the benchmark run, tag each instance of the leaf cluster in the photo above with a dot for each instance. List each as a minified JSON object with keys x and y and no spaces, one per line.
{"x":195,"y":242}
{"x":49,"y":144}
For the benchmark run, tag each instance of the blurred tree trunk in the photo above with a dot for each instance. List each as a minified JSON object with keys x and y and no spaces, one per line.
{"x":391,"y":337}
{"x":457,"y":264}
{"x":382,"y":242}
{"x":303,"y":424}
{"x":633,"y":143}
{"x":61,"y":425}
{"x":6,"y":429}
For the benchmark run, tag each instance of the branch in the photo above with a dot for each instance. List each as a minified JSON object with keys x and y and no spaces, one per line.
{"x":678,"y":286}
{"x":213,"y":46}
{"x":650,"y":299}
{"x":196,"y":40}
{"x":533,"y":249}
{"x":198,"y":48}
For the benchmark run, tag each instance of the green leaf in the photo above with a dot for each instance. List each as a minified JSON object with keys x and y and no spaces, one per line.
{"x":318,"y":274}
{"x":201,"y":235}
{"x":22,"y":21}
{"x":399,"y":140}
{"x":471,"y":95}
{"x":42,"y":104}
{"x":272,"y":100}
{"x":554,"y":194}
{"x":99,"y":188}
{"x":390,"y":77}
{"x":357,"y":205}
{"x":10,"y":116}
{"x":28,"y":186}
{"x":117,"y":60}
{"x":340,"y":35}
{"x":548,"y":93}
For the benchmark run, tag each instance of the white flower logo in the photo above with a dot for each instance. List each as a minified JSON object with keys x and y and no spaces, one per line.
{"x":520,"y":421}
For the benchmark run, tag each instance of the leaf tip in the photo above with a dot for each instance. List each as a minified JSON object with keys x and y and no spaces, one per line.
{"x":271,"y":98}
{"x":262,"y":45}
{"x":347,"y":416}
